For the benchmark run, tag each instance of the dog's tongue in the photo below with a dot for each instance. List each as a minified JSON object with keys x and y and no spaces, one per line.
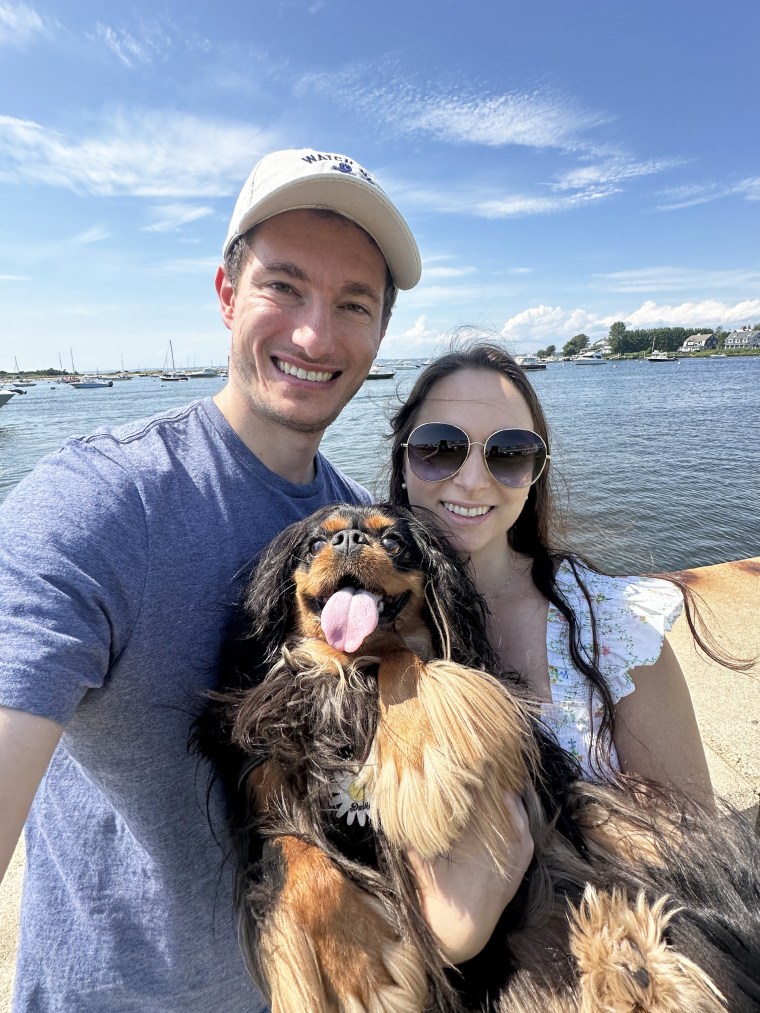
{"x":349,"y":617}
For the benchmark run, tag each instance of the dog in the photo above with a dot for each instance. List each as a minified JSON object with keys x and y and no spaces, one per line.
{"x":358,"y":716}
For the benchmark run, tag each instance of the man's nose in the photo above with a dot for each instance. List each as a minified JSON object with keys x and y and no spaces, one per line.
{"x":313,"y":330}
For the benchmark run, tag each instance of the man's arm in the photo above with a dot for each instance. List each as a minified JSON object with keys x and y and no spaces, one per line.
{"x":27,"y":743}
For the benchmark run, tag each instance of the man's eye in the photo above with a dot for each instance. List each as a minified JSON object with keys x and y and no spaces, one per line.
{"x":356,"y":307}
{"x":316,"y":546}
{"x":281,"y":286}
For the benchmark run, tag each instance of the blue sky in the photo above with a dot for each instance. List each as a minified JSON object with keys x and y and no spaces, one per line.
{"x":562,"y":165}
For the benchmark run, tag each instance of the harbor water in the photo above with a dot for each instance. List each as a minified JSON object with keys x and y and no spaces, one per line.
{"x":655,"y":467}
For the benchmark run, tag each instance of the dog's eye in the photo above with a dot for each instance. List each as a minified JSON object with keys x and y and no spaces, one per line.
{"x":391,"y":545}
{"x":316,"y":546}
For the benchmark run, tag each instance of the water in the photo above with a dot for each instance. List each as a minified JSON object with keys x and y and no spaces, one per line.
{"x":654,"y":466}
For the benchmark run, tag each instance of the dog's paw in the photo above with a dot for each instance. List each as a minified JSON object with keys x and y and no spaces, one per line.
{"x":625,"y":963}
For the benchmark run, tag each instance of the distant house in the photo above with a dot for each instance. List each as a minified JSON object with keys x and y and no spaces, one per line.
{"x":743,"y":338}
{"x":699,"y":343}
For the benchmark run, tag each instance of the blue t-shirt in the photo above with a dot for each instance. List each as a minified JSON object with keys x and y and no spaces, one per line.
{"x":119,"y":557}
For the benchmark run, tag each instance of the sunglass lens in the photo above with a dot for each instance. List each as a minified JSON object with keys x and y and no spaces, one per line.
{"x":516,"y":457}
{"x":437,"y":451}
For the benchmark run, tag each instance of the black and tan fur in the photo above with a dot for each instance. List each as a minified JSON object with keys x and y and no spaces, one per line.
{"x":621,"y":908}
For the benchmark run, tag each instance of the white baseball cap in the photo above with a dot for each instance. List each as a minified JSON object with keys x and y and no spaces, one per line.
{"x":302,"y":178}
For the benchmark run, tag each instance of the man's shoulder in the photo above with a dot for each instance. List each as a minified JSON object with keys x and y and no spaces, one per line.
{"x":342,"y":486}
{"x":174,"y":424}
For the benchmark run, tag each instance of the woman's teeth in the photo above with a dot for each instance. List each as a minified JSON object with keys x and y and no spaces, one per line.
{"x":302,"y":374}
{"x":466,"y":511}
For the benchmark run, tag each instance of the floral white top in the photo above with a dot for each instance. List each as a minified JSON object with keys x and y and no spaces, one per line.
{"x":632,"y":616}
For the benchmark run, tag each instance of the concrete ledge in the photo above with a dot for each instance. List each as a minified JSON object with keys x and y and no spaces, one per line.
{"x":727,"y":705}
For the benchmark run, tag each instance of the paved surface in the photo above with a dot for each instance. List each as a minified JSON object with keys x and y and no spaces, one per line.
{"x":727,"y":705}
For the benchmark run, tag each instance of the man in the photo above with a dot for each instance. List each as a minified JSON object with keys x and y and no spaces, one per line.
{"x":118,"y":558}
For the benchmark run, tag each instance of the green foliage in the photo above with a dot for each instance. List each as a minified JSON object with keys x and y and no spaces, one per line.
{"x":664,"y":339}
{"x":575,"y":345}
{"x":617,"y":338}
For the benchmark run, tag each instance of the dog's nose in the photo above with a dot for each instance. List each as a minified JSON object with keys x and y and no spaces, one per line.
{"x":349,"y":540}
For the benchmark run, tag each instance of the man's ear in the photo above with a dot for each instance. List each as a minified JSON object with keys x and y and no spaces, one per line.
{"x":226,"y":294}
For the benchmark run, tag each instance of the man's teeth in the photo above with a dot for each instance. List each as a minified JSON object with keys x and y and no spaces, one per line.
{"x":466,"y":511}
{"x":302,"y":374}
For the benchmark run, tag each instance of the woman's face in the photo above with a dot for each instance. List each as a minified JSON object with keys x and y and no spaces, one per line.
{"x":473,"y":507}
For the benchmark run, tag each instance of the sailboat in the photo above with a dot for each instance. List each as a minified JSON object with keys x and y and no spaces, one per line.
{"x":660,"y":356}
{"x":174,"y":375}
{"x":18,"y":381}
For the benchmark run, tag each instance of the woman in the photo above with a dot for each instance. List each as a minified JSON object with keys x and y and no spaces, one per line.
{"x":589,"y":647}
{"x":471,"y":447}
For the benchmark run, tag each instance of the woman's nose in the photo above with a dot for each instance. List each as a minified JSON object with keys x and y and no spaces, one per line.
{"x":473,"y":474}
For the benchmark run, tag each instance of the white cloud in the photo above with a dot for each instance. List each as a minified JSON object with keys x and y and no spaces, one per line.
{"x":535,"y":119}
{"x":541,"y":325}
{"x":20,"y":25}
{"x":142,"y":44}
{"x":489,"y":203}
{"x":520,"y":205}
{"x":171,"y":217}
{"x":418,"y":341}
{"x":554,"y":324}
{"x":440,"y":273}
{"x":14,"y":277}
{"x":692,"y":194}
{"x":605,"y":174}
{"x":146,"y":153}
{"x":667,"y":279}
{"x":710,"y":312}
{"x":95,"y":234}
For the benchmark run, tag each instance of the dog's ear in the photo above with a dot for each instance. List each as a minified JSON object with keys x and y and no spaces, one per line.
{"x":267,"y":609}
{"x":458,"y":612}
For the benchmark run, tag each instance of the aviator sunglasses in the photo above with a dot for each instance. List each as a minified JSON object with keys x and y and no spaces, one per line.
{"x":514,"y":457}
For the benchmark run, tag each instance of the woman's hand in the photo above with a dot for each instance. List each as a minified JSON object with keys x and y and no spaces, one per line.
{"x":463,"y":894}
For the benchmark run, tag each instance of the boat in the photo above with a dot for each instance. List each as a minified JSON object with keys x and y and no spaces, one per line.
{"x":19,"y":381}
{"x":529,"y":362}
{"x":90,"y":383}
{"x":655,"y":356}
{"x":167,"y":377}
{"x":407,"y":364}
{"x":205,"y":374}
{"x":5,"y":396}
{"x":591,"y":357}
{"x":378,"y":372}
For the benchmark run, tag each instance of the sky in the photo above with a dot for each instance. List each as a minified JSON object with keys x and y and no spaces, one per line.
{"x":562,"y":166}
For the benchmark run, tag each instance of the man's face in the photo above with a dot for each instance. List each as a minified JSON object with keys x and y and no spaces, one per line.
{"x":305,"y":320}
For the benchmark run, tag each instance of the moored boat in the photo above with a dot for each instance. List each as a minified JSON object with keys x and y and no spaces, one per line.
{"x":591,"y":357}
{"x":90,"y":383}
{"x":378,"y":372}
{"x":529,"y":362}
{"x":168,"y":377}
{"x":661,"y":357}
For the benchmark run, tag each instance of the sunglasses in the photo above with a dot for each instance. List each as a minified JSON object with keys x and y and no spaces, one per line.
{"x":514,"y":457}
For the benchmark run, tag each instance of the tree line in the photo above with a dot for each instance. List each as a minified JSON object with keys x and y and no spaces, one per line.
{"x":632,"y":342}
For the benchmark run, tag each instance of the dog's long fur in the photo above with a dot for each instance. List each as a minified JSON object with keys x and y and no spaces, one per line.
{"x":634,"y":901}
